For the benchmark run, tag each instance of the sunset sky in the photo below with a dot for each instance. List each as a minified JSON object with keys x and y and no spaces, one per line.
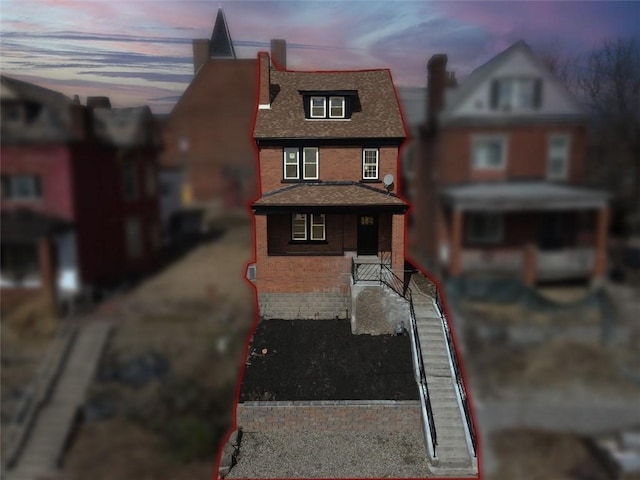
{"x":139,"y":51}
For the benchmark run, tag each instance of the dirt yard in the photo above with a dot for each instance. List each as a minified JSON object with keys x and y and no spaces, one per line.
{"x":322,"y":360}
{"x":194,"y":315}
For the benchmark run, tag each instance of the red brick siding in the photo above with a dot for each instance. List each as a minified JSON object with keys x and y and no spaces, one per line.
{"x":335,"y":163}
{"x":329,"y":416}
{"x":526,"y":153}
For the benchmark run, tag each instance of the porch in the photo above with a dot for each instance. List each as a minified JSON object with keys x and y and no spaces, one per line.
{"x":537,"y":230}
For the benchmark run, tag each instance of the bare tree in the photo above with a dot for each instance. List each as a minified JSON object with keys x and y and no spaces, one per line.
{"x":562,"y":65}
{"x":608,"y":80}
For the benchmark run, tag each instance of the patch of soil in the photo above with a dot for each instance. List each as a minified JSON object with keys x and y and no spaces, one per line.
{"x":538,"y":455}
{"x":321,"y":360}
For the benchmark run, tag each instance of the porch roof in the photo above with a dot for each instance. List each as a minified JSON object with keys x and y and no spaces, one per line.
{"x":533,"y":195}
{"x":330,"y":195}
{"x":27,"y":226}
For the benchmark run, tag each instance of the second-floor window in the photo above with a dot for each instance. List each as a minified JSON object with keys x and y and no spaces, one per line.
{"x":515,"y":93}
{"x":558,"y":157}
{"x":308,"y":226}
{"x":489,"y":152}
{"x":301,"y":163}
{"x":21,"y":187}
{"x":370,"y":163}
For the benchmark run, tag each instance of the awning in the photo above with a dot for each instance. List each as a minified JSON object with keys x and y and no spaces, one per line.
{"x":519,"y":196}
{"x":27,"y":226}
{"x":329,"y":196}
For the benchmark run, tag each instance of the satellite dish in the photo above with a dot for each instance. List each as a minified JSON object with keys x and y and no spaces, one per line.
{"x":388,"y":181}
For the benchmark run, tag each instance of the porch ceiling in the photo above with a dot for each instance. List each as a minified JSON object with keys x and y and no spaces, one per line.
{"x":332,"y":195}
{"x":512,"y":196}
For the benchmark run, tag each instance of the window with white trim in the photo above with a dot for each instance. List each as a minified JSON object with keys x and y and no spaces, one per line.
{"x":516,"y":93}
{"x":21,"y":187}
{"x":370,"y":163}
{"x":557,"y":157}
{"x":489,"y":152}
{"x":310,"y":159}
{"x":291,"y":163}
{"x":336,"y":107}
{"x":301,"y":163}
{"x":310,"y":226}
{"x":318,"y":107}
{"x":484,"y":227}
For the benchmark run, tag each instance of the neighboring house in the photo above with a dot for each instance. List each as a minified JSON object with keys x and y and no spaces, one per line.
{"x":328,"y":151}
{"x":499,"y":175}
{"x":208,"y":161}
{"x":79,"y":192}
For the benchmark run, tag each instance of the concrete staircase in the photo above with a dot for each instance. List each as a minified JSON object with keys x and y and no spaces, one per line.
{"x":45,"y":444}
{"x":454,"y":454}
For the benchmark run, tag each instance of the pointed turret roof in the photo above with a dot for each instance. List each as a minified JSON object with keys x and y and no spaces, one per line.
{"x":221,"y":45}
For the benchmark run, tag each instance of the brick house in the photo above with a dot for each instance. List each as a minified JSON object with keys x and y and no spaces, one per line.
{"x":499,"y":172}
{"x":327,"y":142}
{"x":80,"y":201}
{"x":208,"y":160}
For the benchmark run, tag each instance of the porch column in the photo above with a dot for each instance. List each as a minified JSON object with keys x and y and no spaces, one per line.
{"x":46,"y":260}
{"x":529,"y":264}
{"x":455,"y":246}
{"x":600,"y":257}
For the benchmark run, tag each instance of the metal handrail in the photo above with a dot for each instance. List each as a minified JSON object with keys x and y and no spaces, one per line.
{"x":388,"y":278}
{"x":458,"y":374}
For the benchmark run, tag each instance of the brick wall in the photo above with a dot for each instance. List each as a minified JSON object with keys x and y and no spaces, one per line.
{"x":304,"y":306}
{"x":335,"y":163}
{"x":329,"y":416}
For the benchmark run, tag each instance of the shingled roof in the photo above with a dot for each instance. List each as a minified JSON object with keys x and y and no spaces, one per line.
{"x":329,"y":194}
{"x":378,"y":117}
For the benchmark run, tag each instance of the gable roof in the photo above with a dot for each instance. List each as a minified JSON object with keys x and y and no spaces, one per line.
{"x":457,"y":95}
{"x":378,"y":117}
{"x":126,"y":127}
{"x":329,"y":194}
{"x":221,"y":45}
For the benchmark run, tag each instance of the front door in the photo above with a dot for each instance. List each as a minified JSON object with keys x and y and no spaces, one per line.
{"x":367,"y":235}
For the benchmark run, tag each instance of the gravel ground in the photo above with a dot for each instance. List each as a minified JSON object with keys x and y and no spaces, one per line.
{"x":340,"y":455}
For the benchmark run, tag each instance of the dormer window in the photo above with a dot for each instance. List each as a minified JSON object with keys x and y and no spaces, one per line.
{"x":330,"y":105}
{"x":318,"y":107}
{"x":516,"y":93}
{"x":336,"y":107}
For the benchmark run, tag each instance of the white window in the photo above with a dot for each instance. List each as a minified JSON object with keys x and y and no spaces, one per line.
{"x":317,"y":226}
{"x":308,"y":226}
{"x":489,"y":152}
{"x":558,"y":157}
{"x":370,"y":163}
{"x":130,"y":181}
{"x":291,"y":164}
{"x":484,"y":227}
{"x":21,"y":187}
{"x":299,"y":227}
{"x":318,"y":107}
{"x":134,"y":237}
{"x":336,"y":107}
{"x":515,"y":93}
{"x":310,"y":155}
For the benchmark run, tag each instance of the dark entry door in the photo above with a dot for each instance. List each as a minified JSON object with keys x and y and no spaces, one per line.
{"x":553,"y":228}
{"x":367,"y":235}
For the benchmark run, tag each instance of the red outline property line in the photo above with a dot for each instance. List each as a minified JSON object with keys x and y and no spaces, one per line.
{"x":234,"y":424}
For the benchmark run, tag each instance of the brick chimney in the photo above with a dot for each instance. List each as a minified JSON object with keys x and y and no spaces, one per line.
{"x":200,"y":53}
{"x":264,"y":100}
{"x":279,"y":53}
{"x":98,"y":102}
{"x":437,"y":80}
